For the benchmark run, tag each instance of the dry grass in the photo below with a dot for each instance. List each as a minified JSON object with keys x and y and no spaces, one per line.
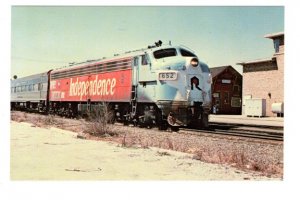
{"x":37,"y":120}
{"x":235,"y":158}
{"x":131,"y":137}
{"x":19,"y":117}
{"x":134,"y":142}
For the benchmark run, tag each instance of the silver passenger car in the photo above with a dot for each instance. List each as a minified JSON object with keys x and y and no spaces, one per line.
{"x":30,"y":92}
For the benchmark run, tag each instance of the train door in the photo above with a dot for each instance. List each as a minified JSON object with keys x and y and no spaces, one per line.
{"x":147,"y":80}
{"x":40,"y":89}
{"x":144,"y":69}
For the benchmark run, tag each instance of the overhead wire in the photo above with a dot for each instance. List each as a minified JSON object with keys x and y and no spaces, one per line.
{"x":37,"y":60}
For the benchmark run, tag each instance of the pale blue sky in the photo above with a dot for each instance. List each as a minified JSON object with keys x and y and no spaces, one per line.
{"x":43,"y":38}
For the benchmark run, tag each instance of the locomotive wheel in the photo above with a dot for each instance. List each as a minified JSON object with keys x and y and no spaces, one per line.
{"x":204,"y":120}
{"x":163,"y":125}
{"x":174,"y":128}
{"x":125,"y":123}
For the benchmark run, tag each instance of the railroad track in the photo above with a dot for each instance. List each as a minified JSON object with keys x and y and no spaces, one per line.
{"x":262,"y":132}
{"x":247,"y":131}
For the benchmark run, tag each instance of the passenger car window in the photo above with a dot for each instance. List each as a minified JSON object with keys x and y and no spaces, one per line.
{"x":40,"y":86}
{"x":163,"y":53}
{"x":35,"y":87}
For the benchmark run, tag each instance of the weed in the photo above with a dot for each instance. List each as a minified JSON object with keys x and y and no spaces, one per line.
{"x":170,"y":144}
{"x":49,"y":120}
{"x":164,"y":153}
{"x":124,"y":141}
{"x":99,"y":121}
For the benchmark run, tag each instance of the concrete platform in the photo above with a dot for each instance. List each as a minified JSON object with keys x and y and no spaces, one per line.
{"x":242,"y":119}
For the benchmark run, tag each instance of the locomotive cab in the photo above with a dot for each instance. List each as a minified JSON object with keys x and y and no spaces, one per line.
{"x":178,"y":83}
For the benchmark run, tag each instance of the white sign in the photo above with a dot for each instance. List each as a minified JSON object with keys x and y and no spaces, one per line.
{"x":226,"y":81}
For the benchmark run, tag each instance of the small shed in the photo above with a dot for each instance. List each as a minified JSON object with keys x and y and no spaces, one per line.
{"x":226,"y":90}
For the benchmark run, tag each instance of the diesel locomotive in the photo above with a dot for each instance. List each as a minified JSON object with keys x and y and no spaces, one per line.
{"x":162,"y":85}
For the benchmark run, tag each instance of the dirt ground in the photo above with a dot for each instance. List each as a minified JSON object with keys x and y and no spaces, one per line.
{"x":55,"y":154}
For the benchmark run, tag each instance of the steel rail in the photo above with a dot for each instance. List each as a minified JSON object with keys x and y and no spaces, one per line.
{"x":238,"y":133}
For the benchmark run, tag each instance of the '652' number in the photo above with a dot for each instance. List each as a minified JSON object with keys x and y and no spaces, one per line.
{"x":163,"y":76}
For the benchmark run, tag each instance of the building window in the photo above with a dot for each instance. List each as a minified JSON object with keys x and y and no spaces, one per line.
{"x":236,"y":102}
{"x":226,"y":81}
{"x":276,"y":45}
{"x":216,"y":95}
{"x":236,"y":89}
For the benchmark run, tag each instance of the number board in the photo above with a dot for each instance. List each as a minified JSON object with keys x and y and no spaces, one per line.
{"x":167,"y":76}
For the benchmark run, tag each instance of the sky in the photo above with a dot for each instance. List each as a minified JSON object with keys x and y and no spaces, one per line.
{"x":49,"y":37}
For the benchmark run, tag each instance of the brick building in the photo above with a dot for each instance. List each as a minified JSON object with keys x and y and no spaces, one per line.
{"x":263,"y":80}
{"x":226,"y":90}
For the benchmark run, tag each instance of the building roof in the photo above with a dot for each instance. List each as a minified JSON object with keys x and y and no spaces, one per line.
{"x":256,"y":61}
{"x":215,"y":71}
{"x":274,"y":35}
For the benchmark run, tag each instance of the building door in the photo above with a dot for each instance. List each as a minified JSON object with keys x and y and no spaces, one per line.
{"x":225,"y":103}
{"x":216,"y":103}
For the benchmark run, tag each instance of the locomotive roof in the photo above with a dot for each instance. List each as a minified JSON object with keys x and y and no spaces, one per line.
{"x":118,"y":57}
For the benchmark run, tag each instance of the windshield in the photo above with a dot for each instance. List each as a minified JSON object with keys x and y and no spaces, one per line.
{"x":162,"y":53}
{"x":186,"y":53}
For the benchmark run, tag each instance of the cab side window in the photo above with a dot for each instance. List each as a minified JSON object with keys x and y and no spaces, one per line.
{"x":144,"y":60}
{"x":136,"y":61}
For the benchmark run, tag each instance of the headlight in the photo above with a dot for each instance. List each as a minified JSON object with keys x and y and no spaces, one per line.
{"x":209,"y":80}
{"x":194,"y":62}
